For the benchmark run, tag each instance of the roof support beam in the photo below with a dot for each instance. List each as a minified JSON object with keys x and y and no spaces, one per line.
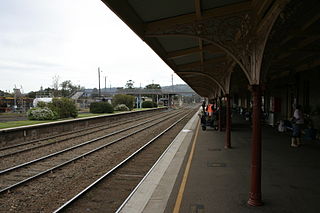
{"x":300,"y":45}
{"x":308,"y":66}
{"x":199,"y":16}
{"x":198,"y":64}
{"x":303,"y":28}
{"x":208,"y":48}
{"x":207,"y":76}
{"x":261,"y":7}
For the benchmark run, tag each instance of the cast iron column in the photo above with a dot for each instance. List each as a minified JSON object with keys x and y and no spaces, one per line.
{"x":220,"y":118}
{"x":255,"y":191}
{"x":228,"y":124}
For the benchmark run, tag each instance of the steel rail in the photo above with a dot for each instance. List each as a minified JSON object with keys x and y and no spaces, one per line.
{"x":116,"y":167}
{"x":78,"y":157}
{"x":63,"y":134}
{"x":75,"y":146}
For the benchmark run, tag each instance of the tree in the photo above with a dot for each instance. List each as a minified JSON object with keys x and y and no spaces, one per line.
{"x":129,"y":84}
{"x":127,"y":100}
{"x":67,"y":88}
{"x":48,"y":90}
{"x":3,"y":93}
{"x":153,"y":86}
{"x":55,"y":85}
{"x":63,"y":107}
{"x":31,"y":94}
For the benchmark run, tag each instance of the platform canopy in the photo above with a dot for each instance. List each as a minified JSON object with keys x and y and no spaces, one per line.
{"x":205,"y":41}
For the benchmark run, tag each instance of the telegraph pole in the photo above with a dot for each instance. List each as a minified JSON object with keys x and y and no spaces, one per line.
{"x":105,"y":83}
{"x":172,"y":82}
{"x":99,"y":81}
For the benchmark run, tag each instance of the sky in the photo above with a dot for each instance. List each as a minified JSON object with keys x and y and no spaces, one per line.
{"x":70,"y":39}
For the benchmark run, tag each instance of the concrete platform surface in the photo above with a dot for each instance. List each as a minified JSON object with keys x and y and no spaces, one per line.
{"x":219,"y":179}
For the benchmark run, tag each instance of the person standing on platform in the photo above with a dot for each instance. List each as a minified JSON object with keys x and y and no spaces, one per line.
{"x":297,"y":124}
{"x":204,"y":106}
{"x":210,"y":109}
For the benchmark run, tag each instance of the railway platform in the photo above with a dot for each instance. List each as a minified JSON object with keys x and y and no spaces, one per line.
{"x":197,"y":174}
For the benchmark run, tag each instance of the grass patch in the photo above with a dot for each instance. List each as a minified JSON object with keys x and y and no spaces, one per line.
{"x":11,"y":124}
{"x":12,"y":114}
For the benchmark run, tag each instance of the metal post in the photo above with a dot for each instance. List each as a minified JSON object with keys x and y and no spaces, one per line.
{"x":99,"y":81}
{"x":157,"y":99}
{"x":137,"y":102}
{"x":228,"y":124}
{"x":105,"y":84}
{"x":255,"y":191}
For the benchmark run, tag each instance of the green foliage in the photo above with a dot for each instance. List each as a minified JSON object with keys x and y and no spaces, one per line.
{"x":64,"y":107}
{"x":127,"y":100}
{"x":58,"y":108}
{"x":148,"y":104}
{"x":41,"y":104}
{"x":31,"y":94}
{"x":153,"y":86}
{"x":101,"y":107}
{"x":121,"y":107}
{"x":68,"y":88}
{"x":129,"y":84}
{"x":43,"y":113}
{"x":3,"y":93}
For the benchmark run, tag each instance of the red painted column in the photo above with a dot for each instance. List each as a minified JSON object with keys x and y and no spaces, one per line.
{"x":220,"y":117}
{"x":255,"y":191}
{"x":228,"y":124}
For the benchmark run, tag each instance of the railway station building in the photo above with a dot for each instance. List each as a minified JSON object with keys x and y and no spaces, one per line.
{"x":253,"y":55}
{"x":257,"y":60}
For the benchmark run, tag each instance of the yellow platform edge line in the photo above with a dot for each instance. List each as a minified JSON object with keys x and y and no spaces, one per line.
{"x":185,"y":174}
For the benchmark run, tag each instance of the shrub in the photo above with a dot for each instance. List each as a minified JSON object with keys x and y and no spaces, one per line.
{"x":155,"y":104}
{"x":121,"y":107}
{"x":41,"y":104}
{"x":64,"y":107}
{"x":101,"y":107}
{"x":147,"y":104}
{"x":44,"y":113}
{"x":127,"y":100}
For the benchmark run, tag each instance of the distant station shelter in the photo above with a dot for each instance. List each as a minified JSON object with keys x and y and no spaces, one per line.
{"x":160,"y":95}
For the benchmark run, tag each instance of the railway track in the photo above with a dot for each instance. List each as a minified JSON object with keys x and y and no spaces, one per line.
{"x":20,"y":174}
{"x":34,"y":144}
{"x":132,"y":169}
{"x":35,"y":149}
{"x":43,"y":192}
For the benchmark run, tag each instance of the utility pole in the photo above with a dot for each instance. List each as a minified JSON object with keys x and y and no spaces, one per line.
{"x":172,"y":82}
{"x":99,"y":81}
{"x":15,"y":98}
{"x":105,"y":83}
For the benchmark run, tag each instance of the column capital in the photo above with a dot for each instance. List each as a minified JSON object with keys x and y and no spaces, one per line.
{"x":257,"y":87}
